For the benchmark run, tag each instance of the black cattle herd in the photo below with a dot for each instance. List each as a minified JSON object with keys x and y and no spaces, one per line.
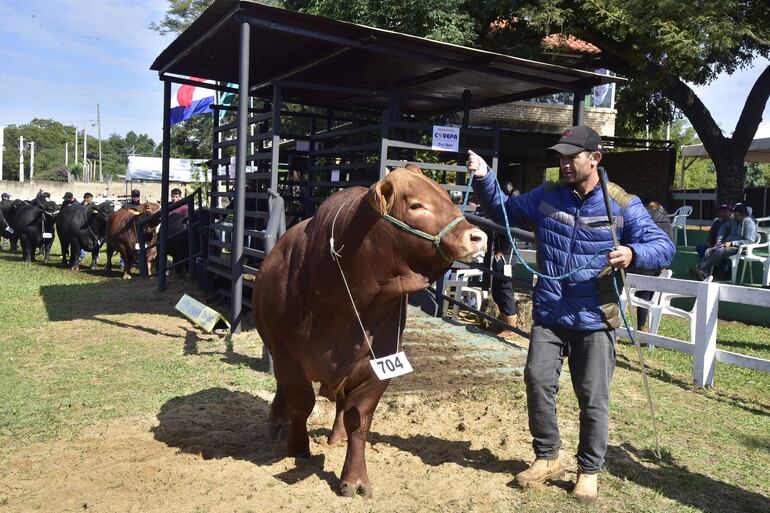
{"x":82,"y":229}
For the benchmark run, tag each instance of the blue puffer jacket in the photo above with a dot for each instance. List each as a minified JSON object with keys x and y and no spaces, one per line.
{"x":568,"y":232}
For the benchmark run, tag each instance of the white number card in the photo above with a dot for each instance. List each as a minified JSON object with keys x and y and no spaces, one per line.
{"x":508,"y":270}
{"x":47,"y":235}
{"x":10,"y":230}
{"x":391,"y":366}
{"x":136,"y":246}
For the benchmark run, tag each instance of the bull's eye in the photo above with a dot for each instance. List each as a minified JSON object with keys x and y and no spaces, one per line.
{"x":416,"y":206}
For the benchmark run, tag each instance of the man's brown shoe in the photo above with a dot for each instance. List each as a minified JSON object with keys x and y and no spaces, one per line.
{"x":586,"y":488}
{"x":539,"y":472}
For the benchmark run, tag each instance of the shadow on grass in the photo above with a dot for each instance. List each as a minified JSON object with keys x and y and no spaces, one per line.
{"x":218,"y":423}
{"x":115,"y":297}
{"x":679,"y":484}
{"x":717,"y":395}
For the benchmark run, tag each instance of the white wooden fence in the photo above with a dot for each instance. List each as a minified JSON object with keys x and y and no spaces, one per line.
{"x":707,"y":296}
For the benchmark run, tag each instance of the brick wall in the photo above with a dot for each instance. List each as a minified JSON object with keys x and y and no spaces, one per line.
{"x":543,"y":117}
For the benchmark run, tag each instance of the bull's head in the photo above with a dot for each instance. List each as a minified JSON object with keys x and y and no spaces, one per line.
{"x":96,"y":219}
{"x":416,"y":204}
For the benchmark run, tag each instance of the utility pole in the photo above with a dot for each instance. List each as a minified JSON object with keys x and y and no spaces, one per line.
{"x":66,"y":154}
{"x":21,"y":158}
{"x":85,"y":150}
{"x":99,"y":137}
{"x":2,"y":140}
{"x":31,"y":159}
{"x":76,"y":146}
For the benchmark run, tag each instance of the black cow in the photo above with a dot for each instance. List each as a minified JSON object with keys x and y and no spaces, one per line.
{"x":33,"y":223}
{"x":7,"y":211}
{"x":82,"y":227}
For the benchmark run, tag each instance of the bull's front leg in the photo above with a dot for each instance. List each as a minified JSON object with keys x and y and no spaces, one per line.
{"x":360,"y":403}
{"x":75,"y":255}
{"x":338,"y":429}
{"x":94,"y":257}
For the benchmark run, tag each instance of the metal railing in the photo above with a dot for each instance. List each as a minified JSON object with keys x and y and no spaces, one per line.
{"x":193,"y":222}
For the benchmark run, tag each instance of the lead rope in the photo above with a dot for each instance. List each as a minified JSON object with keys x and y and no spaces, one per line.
{"x":336,"y":255}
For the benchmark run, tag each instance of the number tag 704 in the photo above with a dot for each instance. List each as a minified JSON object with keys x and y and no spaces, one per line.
{"x":391,"y":366}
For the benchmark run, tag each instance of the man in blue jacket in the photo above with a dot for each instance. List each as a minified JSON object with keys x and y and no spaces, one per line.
{"x":575,"y":317}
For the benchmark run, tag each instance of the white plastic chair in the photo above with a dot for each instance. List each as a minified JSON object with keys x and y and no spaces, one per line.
{"x":746,"y":255}
{"x":679,"y":221}
{"x":664,"y":308}
{"x":766,"y":272}
{"x":457,"y":287}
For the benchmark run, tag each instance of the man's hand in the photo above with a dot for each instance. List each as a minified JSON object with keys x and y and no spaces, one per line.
{"x":476,"y":165}
{"x":727,"y":244}
{"x":621,"y":258}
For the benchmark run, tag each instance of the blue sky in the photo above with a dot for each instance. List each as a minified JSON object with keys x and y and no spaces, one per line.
{"x":60,"y":57}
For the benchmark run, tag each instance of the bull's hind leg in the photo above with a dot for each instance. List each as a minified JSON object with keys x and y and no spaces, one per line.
{"x":278,"y":426}
{"x":300,"y":400}
{"x":360,"y":403}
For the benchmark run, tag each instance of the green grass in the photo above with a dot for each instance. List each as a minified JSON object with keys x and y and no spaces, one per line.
{"x":77,"y":348}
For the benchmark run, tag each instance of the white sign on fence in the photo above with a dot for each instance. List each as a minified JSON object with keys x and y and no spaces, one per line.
{"x":446,"y":138}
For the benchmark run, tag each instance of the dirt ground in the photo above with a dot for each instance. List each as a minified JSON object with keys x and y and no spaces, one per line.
{"x":442,"y":440}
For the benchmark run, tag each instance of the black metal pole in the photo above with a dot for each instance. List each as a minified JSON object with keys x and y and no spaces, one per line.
{"x":162,"y":249}
{"x":579,"y":107}
{"x":239,"y":201}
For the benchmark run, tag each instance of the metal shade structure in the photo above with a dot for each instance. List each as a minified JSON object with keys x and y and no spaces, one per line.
{"x":282,"y":56}
{"x":759,"y":151}
{"x":357,"y":65}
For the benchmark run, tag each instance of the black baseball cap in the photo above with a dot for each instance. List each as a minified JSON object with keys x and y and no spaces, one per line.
{"x":68,"y":196}
{"x":576,"y":139}
{"x":6,"y":195}
{"x":135,"y":193}
{"x":725,"y":206}
{"x":741,"y":208}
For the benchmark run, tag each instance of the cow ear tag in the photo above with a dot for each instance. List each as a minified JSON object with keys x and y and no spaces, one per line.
{"x":391,"y":366}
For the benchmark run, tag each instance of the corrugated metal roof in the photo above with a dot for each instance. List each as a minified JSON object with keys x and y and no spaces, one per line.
{"x":428,"y":76}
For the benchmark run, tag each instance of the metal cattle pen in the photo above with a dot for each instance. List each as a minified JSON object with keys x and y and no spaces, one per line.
{"x":337,"y":105}
{"x":193,"y":222}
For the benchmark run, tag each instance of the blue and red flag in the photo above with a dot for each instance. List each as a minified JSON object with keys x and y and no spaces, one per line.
{"x":191,"y":100}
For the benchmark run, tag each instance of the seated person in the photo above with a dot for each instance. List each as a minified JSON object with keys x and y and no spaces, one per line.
{"x":740,"y":229}
{"x":723,"y":215}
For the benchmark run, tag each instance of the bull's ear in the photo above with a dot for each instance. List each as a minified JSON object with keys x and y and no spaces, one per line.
{"x":414,"y":169}
{"x":381,"y":196}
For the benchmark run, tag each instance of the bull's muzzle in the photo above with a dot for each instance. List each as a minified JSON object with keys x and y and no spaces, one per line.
{"x":473,"y":244}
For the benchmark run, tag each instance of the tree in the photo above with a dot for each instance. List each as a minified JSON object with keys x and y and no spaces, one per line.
{"x":662,"y":46}
{"x":659,"y":45}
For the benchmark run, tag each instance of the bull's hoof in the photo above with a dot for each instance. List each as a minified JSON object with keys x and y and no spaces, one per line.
{"x":75,"y":267}
{"x":126,"y":276}
{"x":351,"y":489}
{"x":93,"y":267}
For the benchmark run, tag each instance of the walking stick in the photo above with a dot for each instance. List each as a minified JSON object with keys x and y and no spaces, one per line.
{"x":632,"y":311}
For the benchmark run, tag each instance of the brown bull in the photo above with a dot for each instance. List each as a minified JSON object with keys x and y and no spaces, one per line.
{"x":305,"y":317}
{"x":122,"y":236}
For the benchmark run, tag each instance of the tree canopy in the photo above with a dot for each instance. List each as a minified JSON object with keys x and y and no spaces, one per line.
{"x":50,"y":138}
{"x":661,"y":46}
